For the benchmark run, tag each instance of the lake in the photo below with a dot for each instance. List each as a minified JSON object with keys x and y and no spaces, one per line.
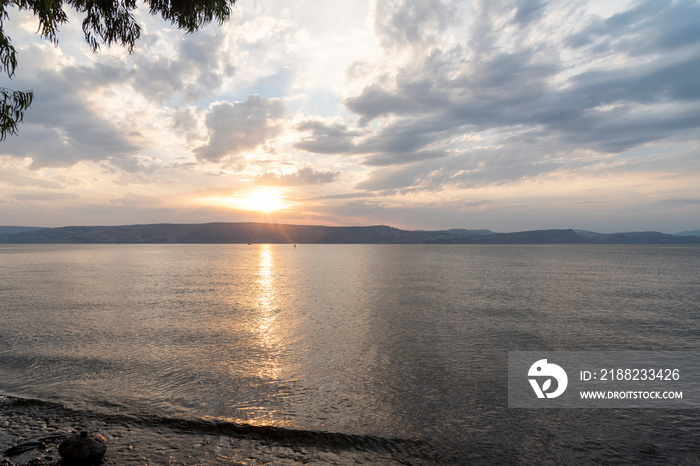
{"x":336,"y":354}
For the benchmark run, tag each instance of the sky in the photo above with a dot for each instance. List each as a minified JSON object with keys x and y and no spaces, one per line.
{"x":508,"y":115}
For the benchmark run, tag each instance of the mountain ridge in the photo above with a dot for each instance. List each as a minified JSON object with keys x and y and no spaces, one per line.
{"x":256,"y":232}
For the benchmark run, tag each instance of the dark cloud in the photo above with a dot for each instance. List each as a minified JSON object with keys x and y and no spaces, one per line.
{"x":302,"y":177}
{"x":399,"y":144}
{"x":663,"y":80}
{"x":528,"y":11}
{"x":408,"y":97}
{"x":160,"y":78}
{"x":476,"y":87}
{"x":617,"y":131}
{"x":503,"y":165}
{"x":196,"y":69}
{"x":494,"y":166}
{"x":401,"y":158}
{"x":411,"y":22}
{"x":136,"y":166}
{"x":327,"y":138}
{"x":405,"y":137}
{"x":649,"y":27}
{"x":240,"y":126}
{"x":392,"y":180}
{"x":61,"y":128}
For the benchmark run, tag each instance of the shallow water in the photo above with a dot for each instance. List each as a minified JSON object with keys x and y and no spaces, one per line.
{"x":396,"y":353}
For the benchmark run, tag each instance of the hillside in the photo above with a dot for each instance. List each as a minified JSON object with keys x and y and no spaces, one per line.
{"x":279,"y":233}
{"x":10,"y":230}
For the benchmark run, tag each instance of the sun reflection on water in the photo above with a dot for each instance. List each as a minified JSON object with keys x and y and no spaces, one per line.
{"x":265,"y":326}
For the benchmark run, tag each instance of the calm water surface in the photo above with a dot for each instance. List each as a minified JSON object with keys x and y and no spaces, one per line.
{"x":402,"y":346}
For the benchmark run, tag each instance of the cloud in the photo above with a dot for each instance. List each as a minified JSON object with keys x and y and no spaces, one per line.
{"x":187,"y":122}
{"x":528,"y":11}
{"x":353,"y":195}
{"x":132,"y":200}
{"x":648,"y":27}
{"x":495,"y":91}
{"x":44,"y":196}
{"x":482,"y":167}
{"x":523,"y":91}
{"x":13,"y":173}
{"x":399,"y":144}
{"x":196,"y":69}
{"x":61,"y":128}
{"x":240,"y":126}
{"x":408,"y":97}
{"x":390,"y":181}
{"x":410,"y":22}
{"x":327,"y":138}
{"x":303,"y":176}
{"x":402,"y":158}
{"x":93,"y":110}
{"x":67,"y":121}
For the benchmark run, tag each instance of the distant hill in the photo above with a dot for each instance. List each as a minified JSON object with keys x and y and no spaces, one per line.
{"x":461,"y":232}
{"x":645,"y":237}
{"x":279,"y":233}
{"x":688,"y":233}
{"x":10,"y":230}
{"x":215,"y":233}
{"x":636,"y":237}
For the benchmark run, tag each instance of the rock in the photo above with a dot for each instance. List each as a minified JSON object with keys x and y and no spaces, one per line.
{"x":83,"y":448}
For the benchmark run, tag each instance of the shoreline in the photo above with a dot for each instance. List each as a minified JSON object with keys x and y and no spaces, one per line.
{"x":26,"y":422}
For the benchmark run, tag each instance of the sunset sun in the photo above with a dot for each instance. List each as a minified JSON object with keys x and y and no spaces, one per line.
{"x":263,"y":200}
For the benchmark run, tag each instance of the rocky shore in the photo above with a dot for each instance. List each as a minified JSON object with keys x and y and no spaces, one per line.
{"x":31,"y":432}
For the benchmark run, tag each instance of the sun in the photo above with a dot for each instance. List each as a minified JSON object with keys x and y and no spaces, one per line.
{"x":262,"y":200}
{"x":265,"y":200}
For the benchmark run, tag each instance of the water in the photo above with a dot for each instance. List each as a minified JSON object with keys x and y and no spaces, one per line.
{"x":341,"y":353}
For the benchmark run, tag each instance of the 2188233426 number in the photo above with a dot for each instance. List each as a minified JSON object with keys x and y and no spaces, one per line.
{"x":639,"y":374}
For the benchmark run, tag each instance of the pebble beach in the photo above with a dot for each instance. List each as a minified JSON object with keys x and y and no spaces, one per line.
{"x":31,"y":431}
{"x":38,"y":429}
